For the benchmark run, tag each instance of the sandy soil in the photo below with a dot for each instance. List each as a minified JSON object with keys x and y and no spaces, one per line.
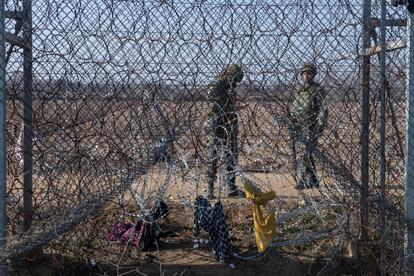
{"x":175,"y":254}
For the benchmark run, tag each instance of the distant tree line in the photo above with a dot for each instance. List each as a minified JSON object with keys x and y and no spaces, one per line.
{"x":61,"y":89}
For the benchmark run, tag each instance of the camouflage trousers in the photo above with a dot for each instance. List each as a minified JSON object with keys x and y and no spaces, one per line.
{"x":304,"y":142}
{"x":227,"y":149}
{"x":307,"y":162}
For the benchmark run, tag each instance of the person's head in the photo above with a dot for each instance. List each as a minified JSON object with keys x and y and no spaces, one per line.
{"x":234,"y":73}
{"x":308,"y":72}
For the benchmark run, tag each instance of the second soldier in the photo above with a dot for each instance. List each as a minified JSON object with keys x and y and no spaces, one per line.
{"x":222,"y":128}
{"x":309,"y":116}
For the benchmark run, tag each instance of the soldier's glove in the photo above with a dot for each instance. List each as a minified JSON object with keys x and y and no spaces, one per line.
{"x":207,"y":126}
{"x":293,"y":132}
{"x":211,"y":127}
{"x":320,"y":128}
{"x":322,"y":122}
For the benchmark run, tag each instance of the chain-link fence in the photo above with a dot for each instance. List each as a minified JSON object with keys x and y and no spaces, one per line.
{"x":107,"y":105}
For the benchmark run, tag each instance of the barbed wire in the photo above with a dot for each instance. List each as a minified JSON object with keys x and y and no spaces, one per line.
{"x":119,"y":103}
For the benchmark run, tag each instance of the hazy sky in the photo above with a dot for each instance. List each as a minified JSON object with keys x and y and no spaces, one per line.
{"x":190,"y":42}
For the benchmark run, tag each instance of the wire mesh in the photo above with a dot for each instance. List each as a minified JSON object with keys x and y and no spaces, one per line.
{"x":120,"y":108}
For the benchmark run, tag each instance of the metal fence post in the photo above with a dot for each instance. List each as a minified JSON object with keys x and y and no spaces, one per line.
{"x":365,"y":121}
{"x":3,"y":216}
{"x":409,"y":163}
{"x":382,"y":138}
{"x":28,"y":115}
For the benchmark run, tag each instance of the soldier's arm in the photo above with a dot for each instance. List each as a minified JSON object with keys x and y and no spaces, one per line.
{"x":323,"y":110}
{"x":214,"y":107}
{"x":232,"y":100}
{"x":290,"y":110}
{"x":213,"y":97}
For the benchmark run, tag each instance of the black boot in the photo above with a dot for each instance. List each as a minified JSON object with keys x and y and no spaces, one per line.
{"x":300,"y":185}
{"x":314,"y":183}
{"x":235,"y":192}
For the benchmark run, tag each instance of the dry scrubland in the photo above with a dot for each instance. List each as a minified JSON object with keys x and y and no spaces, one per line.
{"x":89,"y":146}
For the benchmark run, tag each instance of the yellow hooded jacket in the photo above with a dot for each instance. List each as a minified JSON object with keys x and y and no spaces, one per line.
{"x":264,"y":226}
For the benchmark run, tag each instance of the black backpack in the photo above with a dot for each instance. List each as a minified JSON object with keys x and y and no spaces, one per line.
{"x":148,"y":235}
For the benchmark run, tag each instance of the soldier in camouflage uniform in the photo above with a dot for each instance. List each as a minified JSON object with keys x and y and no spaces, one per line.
{"x":309,"y":116}
{"x":222,"y":128}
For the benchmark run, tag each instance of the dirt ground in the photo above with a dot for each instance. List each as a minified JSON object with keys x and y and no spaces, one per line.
{"x":175,"y":256}
{"x":86,"y":251}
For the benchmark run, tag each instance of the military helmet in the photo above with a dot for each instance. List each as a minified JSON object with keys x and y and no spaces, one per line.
{"x":234,"y":71}
{"x":309,"y":67}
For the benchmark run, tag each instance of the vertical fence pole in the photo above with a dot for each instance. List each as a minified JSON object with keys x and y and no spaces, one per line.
{"x":28,"y":115}
{"x":365,"y":120}
{"x":3,"y":217}
{"x":382,"y":137}
{"x":409,"y":157}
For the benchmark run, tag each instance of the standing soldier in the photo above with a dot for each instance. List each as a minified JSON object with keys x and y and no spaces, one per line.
{"x":222,"y":128}
{"x":309,"y":118}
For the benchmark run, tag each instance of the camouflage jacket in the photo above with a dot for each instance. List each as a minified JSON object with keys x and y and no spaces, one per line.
{"x":222,"y":116}
{"x":308,"y":109}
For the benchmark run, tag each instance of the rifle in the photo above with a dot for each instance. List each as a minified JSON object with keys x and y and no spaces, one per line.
{"x":293,"y":137}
